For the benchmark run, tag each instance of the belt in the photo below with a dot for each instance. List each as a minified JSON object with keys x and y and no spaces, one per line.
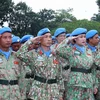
{"x":44,"y":80}
{"x":66,"y":67}
{"x":98,"y":68}
{"x":7,"y":82}
{"x":29,"y":75}
{"x":41,"y":79}
{"x":86,"y":71}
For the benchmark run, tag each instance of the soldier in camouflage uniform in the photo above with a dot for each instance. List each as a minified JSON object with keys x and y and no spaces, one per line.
{"x":92,"y":42}
{"x":25,"y":79}
{"x":60,"y":35}
{"x":9,"y":68}
{"x":80,"y":85}
{"x":48,"y":83}
{"x":15,"y":43}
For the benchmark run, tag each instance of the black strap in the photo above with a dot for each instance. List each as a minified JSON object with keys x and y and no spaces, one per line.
{"x":43,"y":80}
{"x":66,"y":67}
{"x":29,"y":75}
{"x":98,"y":68}
{"x":7,"y":82}
{"x":86,"y":71}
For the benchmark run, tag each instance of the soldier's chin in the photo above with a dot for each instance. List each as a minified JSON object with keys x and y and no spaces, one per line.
{"x":7,"y":46}
{"x":83,"y":44}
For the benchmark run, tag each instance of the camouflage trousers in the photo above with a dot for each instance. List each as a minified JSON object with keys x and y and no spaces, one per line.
{"x":79,"y":93}
{"x":43,"y":91}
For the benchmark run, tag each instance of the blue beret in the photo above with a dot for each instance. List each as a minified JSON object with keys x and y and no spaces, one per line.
{"x":79,"y":31}
{"x":67,"y":35}
{"x":5,"y":29}
{"x":43,"y":31}
{"x":15,"y":39}
{"x":53,"y":37}
{"x":26,"y":37}
{"x":59,"y":31}
{"x":91,"y":33}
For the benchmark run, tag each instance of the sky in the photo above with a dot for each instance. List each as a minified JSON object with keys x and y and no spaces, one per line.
{"x":82,"y":9}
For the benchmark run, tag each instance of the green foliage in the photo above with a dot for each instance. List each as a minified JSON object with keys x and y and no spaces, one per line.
{"x":21,"y":18}
{"x":63,"y":15}
{"x":98,"y":3}
{"x":70,"y":26}
{"x":6,"y":7}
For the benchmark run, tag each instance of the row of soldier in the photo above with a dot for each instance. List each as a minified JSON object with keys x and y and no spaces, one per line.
{"x":50,"y":67}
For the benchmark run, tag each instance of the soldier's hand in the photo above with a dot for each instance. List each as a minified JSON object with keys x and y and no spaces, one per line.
{"x":95,"y":90}
{"x":61,"y":98}
{"x":72,"y":39}
{"x":37,"y":39}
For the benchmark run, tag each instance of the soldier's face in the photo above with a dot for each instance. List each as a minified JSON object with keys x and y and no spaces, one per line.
{"x":6,"y":40}
{"x":61,"y":37}
{"x":95,"y":40}
{"x":16,"y":46}
{"x":47,"y":40}
{"x":81,"y":40}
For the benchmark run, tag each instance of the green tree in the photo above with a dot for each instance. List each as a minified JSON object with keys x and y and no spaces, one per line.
{"x":96,"y":17}
{"x":21,"y":19}
{"x":6,"y":7}
{"x":80,"y":23}
{"x":46,"y":15}
{"x":63,"y":15}
{"x":44,"y":18}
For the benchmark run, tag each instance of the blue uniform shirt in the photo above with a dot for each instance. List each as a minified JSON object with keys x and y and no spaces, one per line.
{"x":80,"y":48}
{"x":6,"y":54}
{"x":93,"y":48}
{"x":47,"y":53}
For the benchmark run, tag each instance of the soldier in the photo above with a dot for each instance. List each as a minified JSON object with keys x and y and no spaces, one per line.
{"x":26,"y":79}
{"x":92,"y":42}
{"x":9,"y":68}
{"x":48,"y":83}
{"x":53,"y":40}
{"x":25,"y":38}
{"x":60,"y":35}
{"x":15,"y":43}
{"x":92,"y":39}
{"x":80,"y":84}
{"x":68,"y":34}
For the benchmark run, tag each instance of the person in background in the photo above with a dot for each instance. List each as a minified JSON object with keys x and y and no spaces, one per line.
{"x":9,"y":68}
{"x":15,"y":43}
{"x":92,"y":43}
{"x":92,"y":38}
{"x":53,"y":40}
{"x":48,"y":82}
{"x":80,"y":83}
{"x":68,"y":35}
{"x":60,"y":35}
{"x":26,"y":38}
{"x":26,"y":79}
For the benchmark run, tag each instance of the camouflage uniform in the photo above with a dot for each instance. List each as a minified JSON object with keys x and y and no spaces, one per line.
{"x":9,"y":75}
{"x":81,"y":81}
{"x":48,"y":83}
{"x":65,"y":68}
{"x":98,"y":71}
{"x":25,"y":81}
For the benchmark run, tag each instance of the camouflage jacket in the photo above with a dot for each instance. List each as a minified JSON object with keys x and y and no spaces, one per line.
{"x":9,"y":71}
{"x":78,"y":60}
{"x":45,"y":67}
